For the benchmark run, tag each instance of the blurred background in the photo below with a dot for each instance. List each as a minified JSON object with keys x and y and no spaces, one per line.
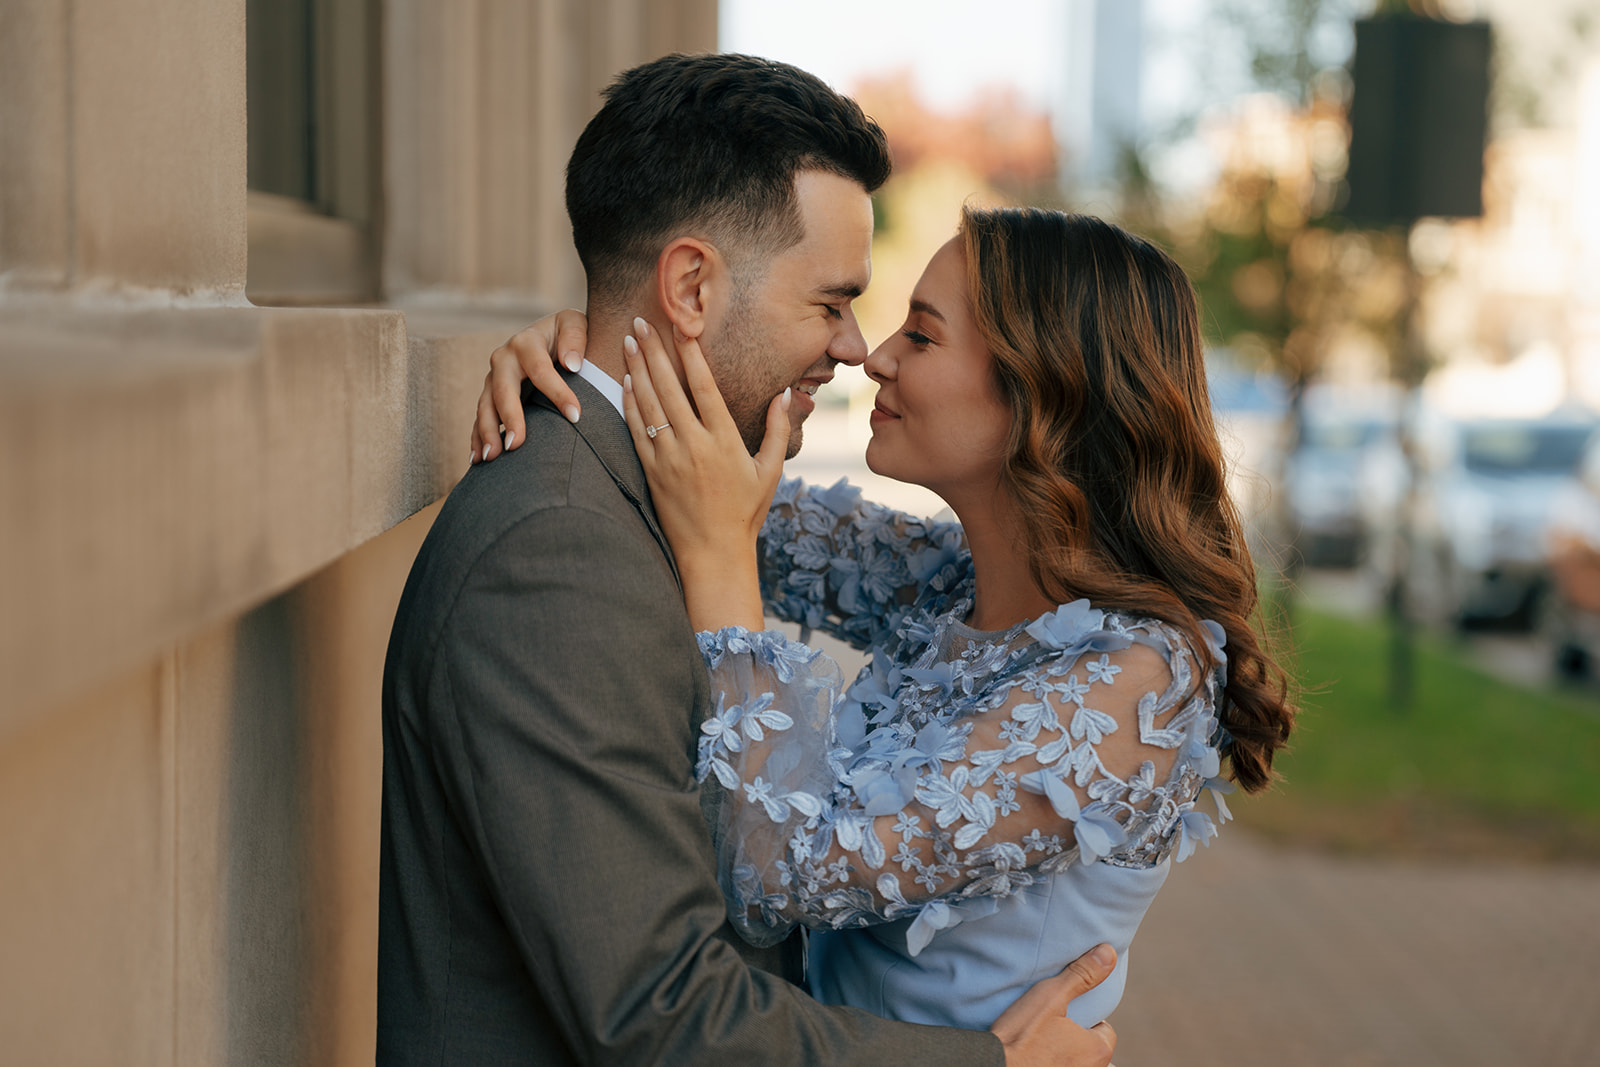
{"x":1395,"y":245}
{"x":254,"y":255}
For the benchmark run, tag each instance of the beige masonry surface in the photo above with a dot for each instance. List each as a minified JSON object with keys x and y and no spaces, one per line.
{"x":208,"y":509}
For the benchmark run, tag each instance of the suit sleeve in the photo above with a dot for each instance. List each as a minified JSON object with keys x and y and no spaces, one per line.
{"x":571,"y":678}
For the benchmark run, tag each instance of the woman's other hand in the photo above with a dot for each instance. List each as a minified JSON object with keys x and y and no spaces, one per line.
{"x":530,"y":356}
{"x":710,"y":494}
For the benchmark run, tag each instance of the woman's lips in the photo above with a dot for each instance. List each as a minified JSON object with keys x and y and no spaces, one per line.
{"x":881,"y":413}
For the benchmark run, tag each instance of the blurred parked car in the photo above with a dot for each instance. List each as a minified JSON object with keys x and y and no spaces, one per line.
{"x":1346,"y":473}
{"x":1484,"y":502}
{"x":1573,"y":540}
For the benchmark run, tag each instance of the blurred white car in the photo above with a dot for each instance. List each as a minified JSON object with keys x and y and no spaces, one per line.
{"x":1484,"y":504}
{"x":1346,"y":473}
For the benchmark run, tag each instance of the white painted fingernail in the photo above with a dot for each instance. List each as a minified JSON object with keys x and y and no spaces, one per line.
{"x":570,"y":412}
{"x":511,"y":435}
{"x":641,"y":327}
{"x":627,"y":383}
{"x":630,"y":344}
{"x":787,"y":398}
{"x":472,"y":457}
{"x":573,"y":361}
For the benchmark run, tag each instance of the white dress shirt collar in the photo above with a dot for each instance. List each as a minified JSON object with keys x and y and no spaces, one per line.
{"x":608,"y":386}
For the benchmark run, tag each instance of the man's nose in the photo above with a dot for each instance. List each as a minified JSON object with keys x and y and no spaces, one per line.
{"x":848,"y":346}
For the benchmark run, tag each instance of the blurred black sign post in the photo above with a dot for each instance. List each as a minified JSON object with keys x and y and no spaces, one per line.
{"x":1418,"y":121}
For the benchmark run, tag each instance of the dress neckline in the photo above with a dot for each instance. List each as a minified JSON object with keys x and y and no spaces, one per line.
{"x":962,"y":629}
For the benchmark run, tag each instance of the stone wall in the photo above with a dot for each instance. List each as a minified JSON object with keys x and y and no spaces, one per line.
{"x":207,"y":509}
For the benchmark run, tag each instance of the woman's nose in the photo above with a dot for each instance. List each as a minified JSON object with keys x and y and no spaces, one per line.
{"x":880,"y":365}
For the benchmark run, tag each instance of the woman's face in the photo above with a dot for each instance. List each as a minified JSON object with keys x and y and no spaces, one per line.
{"x":939,"y":420}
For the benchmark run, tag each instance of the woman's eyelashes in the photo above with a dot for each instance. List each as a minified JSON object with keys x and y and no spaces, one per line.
{"x":916,"y":338}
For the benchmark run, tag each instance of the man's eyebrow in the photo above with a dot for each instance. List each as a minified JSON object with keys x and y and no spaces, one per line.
{"x":842,"y":291}
{"x":927,"y":309}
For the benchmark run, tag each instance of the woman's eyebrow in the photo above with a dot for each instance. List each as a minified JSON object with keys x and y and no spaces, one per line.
{"x":927,"y":309}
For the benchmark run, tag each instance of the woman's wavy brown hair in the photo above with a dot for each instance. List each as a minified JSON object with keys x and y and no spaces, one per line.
{"x":1113,"y":455}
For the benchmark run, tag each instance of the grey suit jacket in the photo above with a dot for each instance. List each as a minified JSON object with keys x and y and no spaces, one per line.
{"x":547,"y":893}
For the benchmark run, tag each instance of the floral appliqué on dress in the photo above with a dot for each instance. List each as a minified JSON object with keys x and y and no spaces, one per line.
{"x":960,"y":766}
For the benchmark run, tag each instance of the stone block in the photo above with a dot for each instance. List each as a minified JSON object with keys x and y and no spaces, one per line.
{"x":87,"y":883}
{"x":162,"y":471}
{"x":35,"y":227}
{"x":158,"y":143}
{"x":245,"y":909}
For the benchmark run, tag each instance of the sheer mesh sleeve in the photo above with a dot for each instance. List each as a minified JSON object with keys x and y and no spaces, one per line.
{"x":851,"y":568}
{"x":1086,"y":738}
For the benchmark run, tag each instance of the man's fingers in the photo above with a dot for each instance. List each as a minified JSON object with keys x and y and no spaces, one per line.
{"x":1038,"y":1019}
{"x":1053,"y":994}
{"x":1085,"y":972}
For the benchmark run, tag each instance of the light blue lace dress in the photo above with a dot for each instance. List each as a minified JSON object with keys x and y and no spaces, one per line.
{"x":978,"y":808}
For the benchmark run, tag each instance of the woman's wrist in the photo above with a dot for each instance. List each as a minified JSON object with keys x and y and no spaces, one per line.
{"x":722,"y":592}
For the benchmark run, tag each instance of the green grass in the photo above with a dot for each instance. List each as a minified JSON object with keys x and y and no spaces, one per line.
{"x":1475,"y":765}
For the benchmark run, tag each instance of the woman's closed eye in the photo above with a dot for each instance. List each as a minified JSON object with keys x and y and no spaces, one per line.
{"x":919,"y":339}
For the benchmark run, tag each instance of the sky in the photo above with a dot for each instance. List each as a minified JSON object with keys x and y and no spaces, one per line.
{"x":951,"y":50}
{"x":954,"y":48}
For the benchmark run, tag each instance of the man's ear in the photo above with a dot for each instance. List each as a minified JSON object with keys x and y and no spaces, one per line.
{"x":692,"y":283}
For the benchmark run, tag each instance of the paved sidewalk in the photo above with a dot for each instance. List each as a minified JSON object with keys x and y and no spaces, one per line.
{"x":1255,"y":956}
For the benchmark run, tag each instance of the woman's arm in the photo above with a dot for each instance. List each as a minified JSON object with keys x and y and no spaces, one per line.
{"x":943,"y":790}
{"x":851,"y":568}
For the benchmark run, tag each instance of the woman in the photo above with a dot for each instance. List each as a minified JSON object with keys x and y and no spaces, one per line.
{"x":1055,"y":677}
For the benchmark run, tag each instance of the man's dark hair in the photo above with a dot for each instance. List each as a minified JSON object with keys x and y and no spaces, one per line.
{"x":707,"y":145}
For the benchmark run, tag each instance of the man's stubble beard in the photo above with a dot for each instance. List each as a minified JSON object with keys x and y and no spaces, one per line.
{"x":739,"y":357}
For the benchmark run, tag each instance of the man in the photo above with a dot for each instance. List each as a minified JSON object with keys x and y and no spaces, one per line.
{"x":547,"y":888}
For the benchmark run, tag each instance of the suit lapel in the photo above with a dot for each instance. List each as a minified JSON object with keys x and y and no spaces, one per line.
{"x":606,"y":434}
